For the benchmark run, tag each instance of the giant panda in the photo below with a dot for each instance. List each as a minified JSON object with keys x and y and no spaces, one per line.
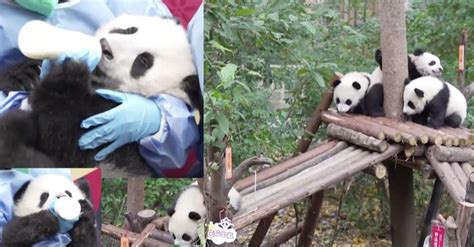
{"x":356,"y":92}
{"x":32,"y":221}
{"x":188,"y":209}
{"x":434,"y":103}
{"x":420,"y":63}
{"x":140,"y":54}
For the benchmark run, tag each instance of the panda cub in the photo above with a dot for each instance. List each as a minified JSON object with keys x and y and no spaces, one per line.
{"x":140,"y":54}
{"x":188,"y":209}
{"x":434,"y":103}
{"x":32,"y":221}
{"x":420,"y":63}
{"x":357,"y":93}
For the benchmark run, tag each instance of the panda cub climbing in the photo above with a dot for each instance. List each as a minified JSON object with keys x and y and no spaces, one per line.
{"x":188,"y":209}
{"x":434,"y":103}
{"x":357,"y":93}
{"x":420,"y":63}
{"x":33,"y":222}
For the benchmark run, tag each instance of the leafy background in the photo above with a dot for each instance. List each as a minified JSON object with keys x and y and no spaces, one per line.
{"x":256,"y":48}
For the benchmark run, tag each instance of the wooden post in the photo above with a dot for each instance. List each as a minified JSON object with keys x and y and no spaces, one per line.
{"x":394,"y":46}
{"x":462,"y":60}
{"x":261,"y":231}
{"x":135,"y":195}
{"x":311,"y":218}
{"x":470,"y":198}
{"x":431,"y":211}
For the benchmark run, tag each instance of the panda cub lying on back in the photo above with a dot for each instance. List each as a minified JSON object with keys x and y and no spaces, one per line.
{"x":356,"y":93}
{"x":188,"y":209}
{"x":32,"y":221}
{"x":434,"y":103}
{"x":140,"y":54}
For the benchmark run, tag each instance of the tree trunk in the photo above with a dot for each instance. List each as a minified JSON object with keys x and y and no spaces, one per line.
{"x":394,"y":46}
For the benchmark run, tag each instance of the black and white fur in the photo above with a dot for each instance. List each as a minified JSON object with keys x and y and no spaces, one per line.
{"x":434,"y":103}
{"x":356,"y":92}
{"x":32,"y":222}
{"x":188,"y":209}
{"x":143,"y":55}
{"x":420,"y":63}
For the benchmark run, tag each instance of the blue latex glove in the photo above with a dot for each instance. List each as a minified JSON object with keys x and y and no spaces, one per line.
{"x":64,"y":225}
{"x":135,"y":118}
{"x":90,"y":57}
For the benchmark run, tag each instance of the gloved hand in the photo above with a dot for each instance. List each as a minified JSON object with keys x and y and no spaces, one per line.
{"x":135,"y":118}
{"x":91,"y":57}
{"x":64,"y":225}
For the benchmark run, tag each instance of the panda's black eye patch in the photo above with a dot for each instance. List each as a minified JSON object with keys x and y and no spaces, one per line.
{"x":128,"y":31}
{"x":411,"y":105}
{"x":142,"y":63}
{"x":348,"y":102}
{"x":356,"y":85}
{"x":338,"y":101}
{"x":43,"y":198}
{"x":174,"y":237}
{"x":68,"y":193}
{"x":186,"y":237}
{"x":432,"y":63}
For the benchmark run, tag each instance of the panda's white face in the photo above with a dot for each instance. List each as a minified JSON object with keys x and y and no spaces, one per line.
{"x":183,"y":229}
{"x":427,"y":63}
{"x":146,"y":55}
{"x":419,"y":92}
{"x":349,"y":90}
{"x":39,"y":193}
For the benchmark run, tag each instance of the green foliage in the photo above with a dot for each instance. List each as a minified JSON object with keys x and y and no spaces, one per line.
{"x":159,"y":196}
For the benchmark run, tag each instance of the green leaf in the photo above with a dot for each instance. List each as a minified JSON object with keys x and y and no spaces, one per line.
{"x":309,"y":26}
{"x":319,"y":79}
{"x":244,"y":12}
{"x":218,"y":46}
{"x":227,"y":74}
{"x":223,"y":123}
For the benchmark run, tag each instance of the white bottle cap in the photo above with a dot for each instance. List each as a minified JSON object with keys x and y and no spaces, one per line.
{"x":41,"y":40}
{"x":67,"y":208}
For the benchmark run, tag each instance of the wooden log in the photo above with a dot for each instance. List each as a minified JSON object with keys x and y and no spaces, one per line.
{"x":378,"y":170}
{"x":285,"y":165}
{"x":459,"y":133}
{"x":319,"y":178}
{"x":162,"y":236}
{"x":437,"y":137}
{"x":346,"y":122}
{"x":447,"y":154}
{"x":467,"y":168}
{"x":261,"y":231}
{"x":463,"y":221}
{"x":356,"y":138}
{"x":311,"y":219}
{"x":431,"y":211}
{"x":451,"y":228}
{"x":459,"y":172}
{"x":117,"y":233}
{"x":143,"y":235}
{"x":446,"y":174}
{"x":294,"y":170}
{"x":398,"y":126}
{"x":243,"y":167}
{"x":420,"y":165}
{"x":283,"y":237}
{"x":146,"y":216}
{"x":470,"y":199}
{"x":160,"y":223}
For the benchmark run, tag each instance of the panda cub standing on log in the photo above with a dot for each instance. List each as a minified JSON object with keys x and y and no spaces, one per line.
{"x":188,"y":209}
{"x":43,"y":207}
{"x":434,"y":103}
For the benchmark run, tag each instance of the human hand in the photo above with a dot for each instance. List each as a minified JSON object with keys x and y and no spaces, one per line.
{"x":135,"y":118}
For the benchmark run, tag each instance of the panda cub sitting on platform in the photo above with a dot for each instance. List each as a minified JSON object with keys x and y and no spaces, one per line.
{"x":33,"y":222}
{"x":188,"y":209}
{"x":434,"y":103}
{"x":357,"y":93}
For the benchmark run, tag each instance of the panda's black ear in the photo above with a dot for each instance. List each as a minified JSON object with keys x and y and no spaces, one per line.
{"x":407,"y":81}
{"x":170,"y":212}
{"x":418,"y":52}
{"x":335,"y":83}
{"x":419,"y":93}
{"x":356,"y":85}
{"x":194,"y":216}
{"x":19,"y":194}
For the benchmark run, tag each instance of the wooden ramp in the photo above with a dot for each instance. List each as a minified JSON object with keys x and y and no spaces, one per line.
{"x":317,"y":176}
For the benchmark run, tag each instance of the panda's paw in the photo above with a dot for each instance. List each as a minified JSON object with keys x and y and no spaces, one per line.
{"x":20,"y":77}
{"x":71,"y":78}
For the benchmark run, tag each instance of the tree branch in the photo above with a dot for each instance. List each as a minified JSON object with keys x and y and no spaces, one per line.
{"x":244,"y":166}
{"x":468,"y":91}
